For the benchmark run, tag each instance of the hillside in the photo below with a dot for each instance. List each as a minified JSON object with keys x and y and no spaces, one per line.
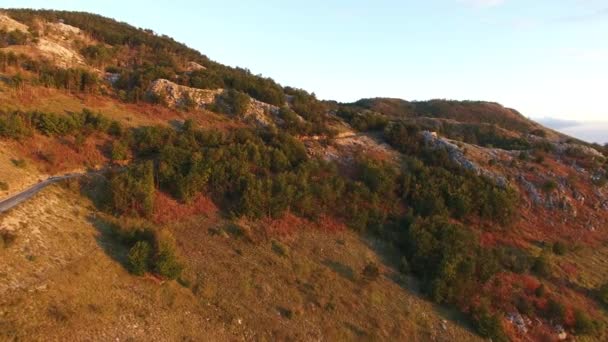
{"x":227,"y":206}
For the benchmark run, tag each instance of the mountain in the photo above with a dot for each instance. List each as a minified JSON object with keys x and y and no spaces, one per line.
{"x":154,"y":194}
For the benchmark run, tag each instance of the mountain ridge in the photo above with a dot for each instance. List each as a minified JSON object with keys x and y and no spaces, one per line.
{"x":467,"y":204}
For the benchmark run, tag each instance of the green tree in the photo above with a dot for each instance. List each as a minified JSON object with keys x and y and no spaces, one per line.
{"x":133,"y":190}
{"x":139,"y":258}
{"x":166,"y":261}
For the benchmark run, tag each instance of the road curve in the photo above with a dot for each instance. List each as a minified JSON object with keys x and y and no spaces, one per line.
{"x":24,"y":195}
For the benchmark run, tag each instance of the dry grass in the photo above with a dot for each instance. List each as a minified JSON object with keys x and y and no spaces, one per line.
{"x":63,"y":278}
{"x":132,"y":115}
{"x":18,"y":173}
{"x":306,"y":285}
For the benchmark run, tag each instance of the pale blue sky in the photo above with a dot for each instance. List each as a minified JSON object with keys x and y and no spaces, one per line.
{"x":542,"y":57}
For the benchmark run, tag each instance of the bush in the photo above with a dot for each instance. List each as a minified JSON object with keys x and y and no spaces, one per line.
{"x":539,"y":133}
{"x":542,"y":266}
{"x":4,"y":186}
{"x":232,"y":102}
{"x":523,"y":156}
{"x":279,"y":248}
{"x":603,"y":294}
{"x":524,"y":307}
{"x":139,"y":258}
{"x":556,"y":311}
{"x":489,"y":325}
{"x":584,"y":325}
{"x":20,"y":163}
{"x":549,"y":186}
{"x":560,"y":248}
{"x":7,"y":238}
{"x":404,"y":266}
{"x":166,"y":262}
{"x":446,"y":256}
{"x":119,"y":151}
{"x":540,"y":291}
{"x":371,"y":272}
{"x":133,"y":190}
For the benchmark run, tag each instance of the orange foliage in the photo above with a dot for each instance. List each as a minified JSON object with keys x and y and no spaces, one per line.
{"x":166,"y":209}
{"x":289,"y":223}
{"x":61,"y":154}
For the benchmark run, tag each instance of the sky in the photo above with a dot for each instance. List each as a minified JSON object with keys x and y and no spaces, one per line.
{"x":545,"y":58}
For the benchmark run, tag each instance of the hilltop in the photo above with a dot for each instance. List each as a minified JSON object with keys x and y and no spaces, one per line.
{"x":229,"y":206}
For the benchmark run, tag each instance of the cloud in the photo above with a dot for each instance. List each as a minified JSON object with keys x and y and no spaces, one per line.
{"x":557,"y":123}
{"x":483,"y":3}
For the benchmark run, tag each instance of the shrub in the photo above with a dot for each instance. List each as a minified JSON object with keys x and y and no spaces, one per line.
{"x":404,"y":266}
{"x":446,"y":256}
{"x":279,"y":248}
{"x":489,"y":325}
{"x":524,"y":306}
{"x":371,"y":272}
{"x":139,"y":258}
{"x":523,"y":156}
{"x":584,"y":325}
{"x":539,"y":133}
{"x":540,"y":291}
{"x":560,"y":248}
{"x":119,"y":151}
{"x":20,"y":163}
{"x":7,"y":238}
{"x":549,"y":186}
{"x":232,"y":102}
{"x":133,"y":190}
{"x":542,"y":266}
{"x":166,"y":261}
{"x":556,"y":311}
{"x":603,"y":294}
{"x":4,"y":186}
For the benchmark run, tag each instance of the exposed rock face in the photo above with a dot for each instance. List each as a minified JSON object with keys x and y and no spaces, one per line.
{"x":176,"y":95}
{"x":9,"y":24}
{"x":193,"y":66}
{"x":112,"y":77}
{"x":533,"y":193}
{"x":61,"y":55}
{"x":57,"y":42}
{"x":520,"y":322}
{"x":348,"y":146}
{"x":585,"y":150}
{"x":262,"y":113}
{"x":457,"y":156}
{"x":63,"y":29}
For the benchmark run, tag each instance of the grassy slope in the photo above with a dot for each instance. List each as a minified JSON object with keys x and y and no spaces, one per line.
{"x":63,"y":277}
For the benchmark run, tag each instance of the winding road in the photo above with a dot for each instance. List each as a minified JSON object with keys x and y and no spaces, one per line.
{"x":24,"y":195}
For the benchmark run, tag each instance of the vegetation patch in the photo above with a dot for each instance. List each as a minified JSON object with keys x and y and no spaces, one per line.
{"x":7,"y":238}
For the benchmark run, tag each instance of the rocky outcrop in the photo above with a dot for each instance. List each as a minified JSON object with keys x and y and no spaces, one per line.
{"x":193,"y":66}
{"x":10,"y":24}
{"x":262,"y":113}
{"x":176,"y":95}
{"x":62,"y":55}
{"x":457,"y":156}
{"x":563,"y":148}
{"x":531,"y":190}
{"x":112,"y":77}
